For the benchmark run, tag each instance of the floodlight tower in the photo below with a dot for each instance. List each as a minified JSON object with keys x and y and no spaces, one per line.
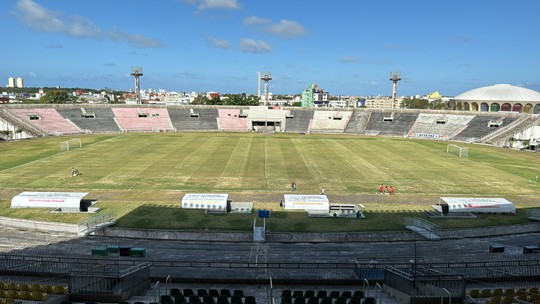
{"x":137,"y":72}
{"x":395,"y":77}
{"x":266,"y":76}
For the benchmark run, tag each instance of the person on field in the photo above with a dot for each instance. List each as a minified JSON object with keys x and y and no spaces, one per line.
{"x":322,"y":191}
{"x":74,"y":172}
{"x":293,"y":186}
{"x":381,"y":189}
{"x":392,"y":190}
{"x":386,"y":189}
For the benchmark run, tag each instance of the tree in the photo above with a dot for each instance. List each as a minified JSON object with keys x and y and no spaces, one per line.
{"x":18,"y":132}
{"x":56,"y":96}
{"x":416,"y":103}
{"x":6,"y":134}
{"x":200,"y":100}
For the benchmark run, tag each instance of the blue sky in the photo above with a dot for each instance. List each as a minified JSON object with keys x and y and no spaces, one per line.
{"x":345,"y":46}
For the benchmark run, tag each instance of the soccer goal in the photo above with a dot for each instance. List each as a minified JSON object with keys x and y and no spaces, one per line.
{"x":70,"y":144}
{"x":457,"y":150}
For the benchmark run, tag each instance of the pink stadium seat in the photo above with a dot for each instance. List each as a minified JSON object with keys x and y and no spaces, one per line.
{"x":143,"y":119}
{"x":230,"y":120}
{"x":49,"y":120}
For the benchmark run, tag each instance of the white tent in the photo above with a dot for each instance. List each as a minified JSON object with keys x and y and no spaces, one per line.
{"x":475,"y":205}
{"x":306,"y":202}
{"x":207,"y":201}
{"x":64,"y":200}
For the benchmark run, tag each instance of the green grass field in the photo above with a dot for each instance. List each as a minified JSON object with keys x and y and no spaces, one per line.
{"x":142,"y":177}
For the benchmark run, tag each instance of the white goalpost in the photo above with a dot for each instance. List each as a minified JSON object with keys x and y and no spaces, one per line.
{"x":70,"y":144}
{"x":457,"y":150}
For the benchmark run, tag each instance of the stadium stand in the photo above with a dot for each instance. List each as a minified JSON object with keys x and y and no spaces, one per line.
{"x":439,"y":126}
{"x":143,"y":119}
{"x":48,"y":119}
{"x":393,"y":123}
{"x":299,"y":120}
{"x":230,"y":120}
{"x":358,"y":122}
{"x":190,"y":119}
{"x":21,"y":124}
{"x":330,"y":121}
{"x":481,"y":126}
{"x":501,"y":135}
{"x":95,"y":120}
{"x":265,"y":118}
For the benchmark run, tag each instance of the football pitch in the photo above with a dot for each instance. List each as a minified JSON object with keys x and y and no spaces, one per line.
{"x":127,"y":171}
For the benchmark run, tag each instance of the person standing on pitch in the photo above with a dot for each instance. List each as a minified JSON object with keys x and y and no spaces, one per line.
{"x":322,"y":191}
{"x":293,"y":185}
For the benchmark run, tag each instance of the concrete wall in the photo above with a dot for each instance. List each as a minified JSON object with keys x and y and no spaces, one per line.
{"x":38,"y":225}
{"x":278,"y":237}
{"x":176,"y":235}
{"x":490,"y":231}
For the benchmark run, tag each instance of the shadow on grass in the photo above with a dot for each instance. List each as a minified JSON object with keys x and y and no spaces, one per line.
{"x":176,"y":218}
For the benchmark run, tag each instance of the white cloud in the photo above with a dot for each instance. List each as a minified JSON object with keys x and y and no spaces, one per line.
{"x":283,"y":29}
{"x":371,"y":83}
{"x":41,"y":19}
{"x":286,"y":29}
{"x":214,"y":4}
{"x":136,"y":40}
{"x":37,"y":17}
{"x":219,"y":43}
{"x":82,"y":27}
{"x":55,"y":46}
{"x":252,"y":46}
{"x":349,"y":59}
{"x":254,"y":20}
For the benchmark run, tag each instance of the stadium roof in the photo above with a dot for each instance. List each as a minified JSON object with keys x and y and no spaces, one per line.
{"x":500,"y":92}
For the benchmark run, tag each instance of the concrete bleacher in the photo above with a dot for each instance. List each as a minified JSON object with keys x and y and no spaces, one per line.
{"x":143,"y":119}
{"x":330,"y":121}
{"x":392,"y":123}
{"x":96,"y":120}
{"x":189,"y":119}
{"x":299,"y":120}
{"x":439,"y":126}
{"x":358,"y":122}
{"x":481,"y":126}
{"x":230,"y":120}
{"x":48,"y":119}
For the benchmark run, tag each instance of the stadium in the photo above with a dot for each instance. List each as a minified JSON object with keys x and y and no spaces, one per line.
{"x":135,"y":164}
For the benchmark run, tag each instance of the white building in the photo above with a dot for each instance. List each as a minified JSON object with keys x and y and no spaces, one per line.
{"x":11,"y":82}
{"x":19,"y":82}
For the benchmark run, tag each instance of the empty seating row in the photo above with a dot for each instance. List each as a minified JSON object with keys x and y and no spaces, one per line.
{"x":487,"y":292}
{"x":34,"y":287}
{"x":24,"y":295}
{"x":207,"y":299}
{"x":321,"y":294}
{"x":324,"y":300}
{"x":203,"y":292}
{"x":207,"y":296}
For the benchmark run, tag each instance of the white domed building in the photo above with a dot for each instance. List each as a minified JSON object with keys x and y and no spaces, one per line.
{"x":500,"y":97}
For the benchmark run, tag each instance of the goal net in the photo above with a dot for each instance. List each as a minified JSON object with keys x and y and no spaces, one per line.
{"x":70,"y":144}
{"x":457,"y":150}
